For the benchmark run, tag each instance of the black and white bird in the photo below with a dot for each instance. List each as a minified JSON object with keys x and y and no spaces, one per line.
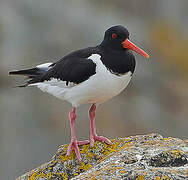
{"x":88,"y":76}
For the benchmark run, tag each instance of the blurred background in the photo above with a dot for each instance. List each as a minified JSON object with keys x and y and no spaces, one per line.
{"x":33,"y":124}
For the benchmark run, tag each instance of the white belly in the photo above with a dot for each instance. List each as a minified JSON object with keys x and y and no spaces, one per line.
{"x":97,"y":89}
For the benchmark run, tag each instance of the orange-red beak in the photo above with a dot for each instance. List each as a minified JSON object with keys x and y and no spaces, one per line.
{"x":129,"y":45}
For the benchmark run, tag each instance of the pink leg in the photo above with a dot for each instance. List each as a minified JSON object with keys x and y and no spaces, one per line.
{"x":93,"y":135}
{"x":74,"y":143}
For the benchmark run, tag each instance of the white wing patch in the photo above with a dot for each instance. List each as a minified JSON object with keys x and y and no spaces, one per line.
{"x":45,"y":66}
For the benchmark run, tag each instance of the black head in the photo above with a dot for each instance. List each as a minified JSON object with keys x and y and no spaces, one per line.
{"x":114,"y":37}
{"x":117,"y":38}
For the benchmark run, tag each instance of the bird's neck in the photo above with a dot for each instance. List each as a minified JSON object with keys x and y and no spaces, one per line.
{"x":118,"y":61}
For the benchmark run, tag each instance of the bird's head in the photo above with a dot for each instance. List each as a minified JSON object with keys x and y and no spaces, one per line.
{"x":117,"y":38}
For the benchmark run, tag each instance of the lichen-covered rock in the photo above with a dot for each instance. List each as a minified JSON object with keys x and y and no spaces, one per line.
{"x":136,"y":157}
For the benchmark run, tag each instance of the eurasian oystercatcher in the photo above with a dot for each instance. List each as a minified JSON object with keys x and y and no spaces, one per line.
{"x":88,"y":76}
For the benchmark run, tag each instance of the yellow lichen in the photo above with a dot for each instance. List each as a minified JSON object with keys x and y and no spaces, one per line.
{"x":49,"y":175}
{"x":166,"y":139}
{"x":85,"y":166}
{"x":122,"y":171}
{"x":50,"y":168}
{"x":125,"y":146}
{"x":93,"y":178}
{"x":33,"y":176}
{"x":55,"y":161}
{"x":165,"y":177}
{"x":84,"y":149}
{"x":40,"y":174}
{"x":90,"y":155}
{"x":65,"y":176}
{"x":36,"y":175}
{"x":141,"y":177}
{"x":176,"y":153}
{"x":66,"y":158}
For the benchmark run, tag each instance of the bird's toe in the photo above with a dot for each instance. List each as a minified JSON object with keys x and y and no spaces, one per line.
{"x":74,"y":146}
{"x":103,"y":139}
{"x":99,"y":138}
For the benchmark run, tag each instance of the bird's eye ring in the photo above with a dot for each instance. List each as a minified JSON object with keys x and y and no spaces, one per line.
{"x":114,"y":36}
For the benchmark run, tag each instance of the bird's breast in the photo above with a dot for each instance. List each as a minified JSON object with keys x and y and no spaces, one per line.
{"x":100,"y":87}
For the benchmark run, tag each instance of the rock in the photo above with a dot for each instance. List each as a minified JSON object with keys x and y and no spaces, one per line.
{"x":135,"y":157}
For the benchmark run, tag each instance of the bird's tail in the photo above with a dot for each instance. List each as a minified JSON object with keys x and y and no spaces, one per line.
{"x":33,"y":74}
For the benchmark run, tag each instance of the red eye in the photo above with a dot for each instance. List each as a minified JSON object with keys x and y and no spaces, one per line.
{"x":114,"y":35}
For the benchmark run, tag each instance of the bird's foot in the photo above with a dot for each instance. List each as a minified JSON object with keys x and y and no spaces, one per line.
{"x":99,"y":138}
{"x":74,"y":146}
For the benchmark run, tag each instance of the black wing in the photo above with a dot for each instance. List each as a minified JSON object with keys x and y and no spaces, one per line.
{"x":75,"y":67}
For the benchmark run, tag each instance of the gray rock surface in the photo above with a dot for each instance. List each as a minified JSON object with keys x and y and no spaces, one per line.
{"x":135,"y":157}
